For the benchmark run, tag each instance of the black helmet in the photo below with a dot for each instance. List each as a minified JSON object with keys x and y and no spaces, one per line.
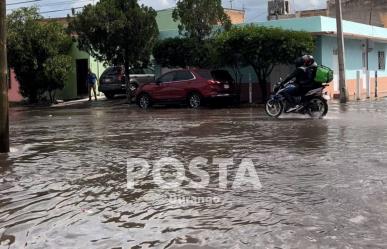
{"x":306,"y":60}
{"x":299,"y":62}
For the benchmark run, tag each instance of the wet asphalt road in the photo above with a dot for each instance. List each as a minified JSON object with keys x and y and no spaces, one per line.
{"x":324,"y":182}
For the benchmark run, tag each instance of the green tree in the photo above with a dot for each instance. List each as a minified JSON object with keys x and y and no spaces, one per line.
{"x":119,"y":32}
{"x":199,"y":17}
{"x":33,"y":47}
{"x":262,"y":48}
{"x":56,"y":72}
{"x":172,"y":52}
{"x":184,"y":52}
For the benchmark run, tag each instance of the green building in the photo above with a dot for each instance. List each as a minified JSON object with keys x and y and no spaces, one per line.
{"x":75,"y":86}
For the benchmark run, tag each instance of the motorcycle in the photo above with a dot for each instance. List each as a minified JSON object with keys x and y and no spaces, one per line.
{"x":314,"y":103}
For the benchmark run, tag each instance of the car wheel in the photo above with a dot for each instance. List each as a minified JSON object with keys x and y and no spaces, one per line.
{"x":144,"y":101}
{"x":109,"y":95}
{"x":133,"y":87}
{"x":194,"y":101}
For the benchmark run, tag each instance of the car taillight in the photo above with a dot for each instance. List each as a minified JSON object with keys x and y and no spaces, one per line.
{"x":214,"y":82}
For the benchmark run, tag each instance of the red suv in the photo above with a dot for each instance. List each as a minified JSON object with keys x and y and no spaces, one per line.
{"x":187,"y":86}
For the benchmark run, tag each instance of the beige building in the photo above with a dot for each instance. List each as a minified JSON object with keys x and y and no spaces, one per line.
{"x":308,"y":13}
{"x":236,"y":16}
{"x":279,"y":9}
{"x":372,"y":12}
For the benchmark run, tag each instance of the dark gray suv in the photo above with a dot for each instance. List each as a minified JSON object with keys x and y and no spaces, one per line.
{"x":112,"y":80}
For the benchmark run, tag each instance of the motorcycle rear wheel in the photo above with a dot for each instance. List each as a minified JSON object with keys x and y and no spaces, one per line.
{"x":274,"y":108}
{"x":317,"y":108}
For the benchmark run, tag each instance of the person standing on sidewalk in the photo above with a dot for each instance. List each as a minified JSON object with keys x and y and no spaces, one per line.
{"x":92,"y":84}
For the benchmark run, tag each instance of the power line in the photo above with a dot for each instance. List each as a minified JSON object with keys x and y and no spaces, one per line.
{"x":63,"y":3}
{"x":53,"y":4}
{"x":56,"y":4}
{"x":61,"y":10}
{"x":30,"y":1}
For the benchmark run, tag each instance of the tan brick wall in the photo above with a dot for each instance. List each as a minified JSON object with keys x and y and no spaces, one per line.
{"x":360,"y":10}
{"x":308,"y":13}
{"x":236,"y":16}
{"x":383,"y":18}
{"x":351,"y":88}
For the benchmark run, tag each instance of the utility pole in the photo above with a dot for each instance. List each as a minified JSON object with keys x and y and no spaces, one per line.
{"x":340,"y":49}
{"x":4,"y":117}
{"x":367,"y":45}
{"x":231,"y":1}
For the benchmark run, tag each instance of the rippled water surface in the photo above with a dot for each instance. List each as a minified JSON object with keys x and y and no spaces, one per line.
{"x":324,"y":181}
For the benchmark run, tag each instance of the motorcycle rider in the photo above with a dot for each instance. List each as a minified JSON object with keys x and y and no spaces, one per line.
{"x":304,"y":81}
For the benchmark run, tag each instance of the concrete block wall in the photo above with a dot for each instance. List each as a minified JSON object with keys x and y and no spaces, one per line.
{"x":362,"y":10}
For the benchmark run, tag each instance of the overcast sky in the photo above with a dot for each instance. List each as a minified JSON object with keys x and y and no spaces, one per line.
{"x":256,"y":10}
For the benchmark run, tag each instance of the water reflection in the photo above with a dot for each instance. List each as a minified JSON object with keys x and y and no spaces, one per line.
{"x":64,"y":184}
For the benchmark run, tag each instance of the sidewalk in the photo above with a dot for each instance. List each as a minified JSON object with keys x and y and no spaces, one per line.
{"x":76,"y":102}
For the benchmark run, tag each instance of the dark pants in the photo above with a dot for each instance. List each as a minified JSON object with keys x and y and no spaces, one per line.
{"x":306,"y":88}
{"x":290,"y":92}
{"x":92,"y":87}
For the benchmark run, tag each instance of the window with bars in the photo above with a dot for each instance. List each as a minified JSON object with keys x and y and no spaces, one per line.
{"x":381,"y":60}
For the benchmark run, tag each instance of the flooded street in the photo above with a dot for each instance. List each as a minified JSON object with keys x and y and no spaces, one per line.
{"x":324,"y":182}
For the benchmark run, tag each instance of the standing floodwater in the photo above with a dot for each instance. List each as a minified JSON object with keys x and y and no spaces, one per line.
{"x":324,"y":182}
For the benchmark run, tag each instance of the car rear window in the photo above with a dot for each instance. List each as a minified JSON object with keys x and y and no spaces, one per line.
{"x":141,"y":71}
{"x":136,"y":71}
{"x":206,"y":74}
{"x":183,"y":75}
{"x":221,"y":75}
{"x":168,"y":77}
{"x":149,"y":71}
{"x":112,"y":71}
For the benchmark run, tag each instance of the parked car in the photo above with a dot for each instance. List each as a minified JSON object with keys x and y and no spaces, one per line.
{"x":112,"y":80}
{"x":192,"y":87}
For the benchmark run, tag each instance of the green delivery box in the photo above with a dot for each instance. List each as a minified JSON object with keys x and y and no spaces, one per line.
{"x":323,"y":75}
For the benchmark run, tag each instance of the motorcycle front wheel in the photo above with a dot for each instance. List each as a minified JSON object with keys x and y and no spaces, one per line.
{"x":317,"y":108}
{"x":274,"y":108}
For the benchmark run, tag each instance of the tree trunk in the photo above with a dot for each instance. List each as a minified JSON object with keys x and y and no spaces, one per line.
{"x":238,"y":81}
{"x":51,"y":97}
{"x":263,"y":85}
{"x":261,"y":76}
{"x":129,"y":93}
{"x":33,"y":97}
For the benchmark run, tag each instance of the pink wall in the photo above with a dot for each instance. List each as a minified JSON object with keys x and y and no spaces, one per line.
{"x":13,"y":92}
